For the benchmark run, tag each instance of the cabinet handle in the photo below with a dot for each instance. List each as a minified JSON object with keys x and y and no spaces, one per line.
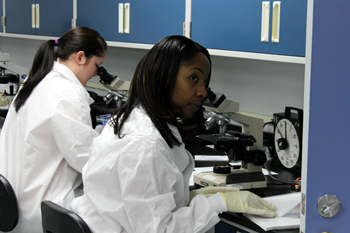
{"x":127,"y":18}
{"x":37,"y":16}
{"x":275,"y":38}
{"x":265,"y":21}
{"x":121,"y":18}
{"x":33,"y":15}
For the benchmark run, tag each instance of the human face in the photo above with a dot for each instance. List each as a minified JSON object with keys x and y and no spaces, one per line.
{"x":89,"y":68}
{"x":190,"y":90}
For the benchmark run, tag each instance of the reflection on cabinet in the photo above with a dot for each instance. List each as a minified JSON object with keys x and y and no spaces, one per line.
{"x":2,"y":17}
{"x":237,"y":25}
{"x":39,"y":17}
{"x":146,"y":21}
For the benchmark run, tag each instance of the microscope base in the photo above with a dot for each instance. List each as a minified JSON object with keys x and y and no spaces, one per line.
{"x":240,"y":178}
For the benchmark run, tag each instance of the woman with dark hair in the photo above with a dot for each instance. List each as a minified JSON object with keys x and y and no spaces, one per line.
{"x":46,"y":137}
{"x":137,"y":176}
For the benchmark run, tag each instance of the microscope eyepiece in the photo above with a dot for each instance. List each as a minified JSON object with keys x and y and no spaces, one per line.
{"x":105,"y":77}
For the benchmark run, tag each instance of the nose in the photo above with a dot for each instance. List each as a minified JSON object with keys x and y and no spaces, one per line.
{"x":202,"y":91}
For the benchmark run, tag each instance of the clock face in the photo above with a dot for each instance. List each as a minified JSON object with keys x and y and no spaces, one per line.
{"x":287,"y":143}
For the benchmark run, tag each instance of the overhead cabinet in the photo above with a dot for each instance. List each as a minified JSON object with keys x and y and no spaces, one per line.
{"x":257,"y":26}
{"x":135,"y":21}
{"x":274,"y":27}
{"x":39,"y":17}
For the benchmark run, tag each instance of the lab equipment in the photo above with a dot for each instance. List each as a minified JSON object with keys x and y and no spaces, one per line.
{"x":9,"y":83}
{"x":117,"y":89}
{"x":288,"y":139}
{"x":239,"y":146}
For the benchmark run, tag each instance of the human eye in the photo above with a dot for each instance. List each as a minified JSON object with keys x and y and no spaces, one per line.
{"x":194,"y":78}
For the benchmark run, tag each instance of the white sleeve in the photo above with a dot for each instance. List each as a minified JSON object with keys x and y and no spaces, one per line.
{"x":136,"y":190}
{"x":72,"y":128}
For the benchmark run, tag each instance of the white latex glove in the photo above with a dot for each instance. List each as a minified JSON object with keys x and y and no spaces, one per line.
{"x":208,"y":191}
{"x":247,"y":202}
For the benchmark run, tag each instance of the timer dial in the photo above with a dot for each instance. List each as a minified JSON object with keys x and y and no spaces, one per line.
{"x":287,"y":143}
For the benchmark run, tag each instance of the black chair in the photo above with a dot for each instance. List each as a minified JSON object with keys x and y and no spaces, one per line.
{"x":57,"y":219}
{"x":8,"y":206}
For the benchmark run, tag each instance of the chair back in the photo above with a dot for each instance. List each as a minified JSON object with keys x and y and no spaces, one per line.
{"x":8,"y":206}
{"x":57,"y":219}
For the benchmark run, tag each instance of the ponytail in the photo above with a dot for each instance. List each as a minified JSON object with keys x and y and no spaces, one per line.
{"x":74,"y":40}
{"x":42,"y":65}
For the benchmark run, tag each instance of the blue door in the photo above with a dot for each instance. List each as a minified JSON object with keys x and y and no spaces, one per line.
{"x":55,"y":17}
{"x":292,"y":28}
{"x":328,"y":135}
{"x":153,"y":20}
{"x":150,"y":21}
{"x":236,"y":25}
{"x":19,"y":17}
{"x":228,"y":24}
{"x":100,"y":15}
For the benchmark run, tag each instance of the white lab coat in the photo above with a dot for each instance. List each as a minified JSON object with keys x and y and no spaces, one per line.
{"x":139,"y":184}
{"x":44,"y":146}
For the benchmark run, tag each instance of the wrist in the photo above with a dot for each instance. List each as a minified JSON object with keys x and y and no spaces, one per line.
{"x":218,"y":203}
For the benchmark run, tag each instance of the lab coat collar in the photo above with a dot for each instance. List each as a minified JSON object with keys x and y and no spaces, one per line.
{"x":172,"y":128}
{"x":66,"y":72}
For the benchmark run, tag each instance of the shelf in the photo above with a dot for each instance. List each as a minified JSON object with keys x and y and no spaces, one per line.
{"x":213,"y":52}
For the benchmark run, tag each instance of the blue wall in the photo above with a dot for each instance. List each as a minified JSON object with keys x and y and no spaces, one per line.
{"x":328,"y":168}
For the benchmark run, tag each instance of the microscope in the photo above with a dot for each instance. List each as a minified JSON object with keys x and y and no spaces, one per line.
{"x":239,"y":146}
{"x":117,"y":89}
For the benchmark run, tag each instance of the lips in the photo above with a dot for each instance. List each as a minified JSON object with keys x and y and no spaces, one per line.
{"x":196,"y":106}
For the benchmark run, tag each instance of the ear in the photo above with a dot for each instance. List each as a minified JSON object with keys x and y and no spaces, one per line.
{"x":80,"y":58}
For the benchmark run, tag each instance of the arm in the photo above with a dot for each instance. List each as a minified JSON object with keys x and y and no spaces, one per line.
{"x":146,"y":188}
{"x":72,"y":130}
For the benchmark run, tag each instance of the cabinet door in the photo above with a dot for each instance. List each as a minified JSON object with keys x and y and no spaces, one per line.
{"x":100,"y":15}
{"x":236,"y":25}
{"x":228,"y":24}
{"x":19,"y":16}
{"x":292,"y":28}
{"x":55,"y":17}
{"x":150,"y":21}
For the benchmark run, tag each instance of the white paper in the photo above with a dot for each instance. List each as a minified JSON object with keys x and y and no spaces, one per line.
{"x":211,"y":158}
{"x":288,"y":213}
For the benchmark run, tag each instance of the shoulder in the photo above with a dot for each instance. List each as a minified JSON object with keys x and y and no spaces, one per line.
{"x":139,"y":137}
